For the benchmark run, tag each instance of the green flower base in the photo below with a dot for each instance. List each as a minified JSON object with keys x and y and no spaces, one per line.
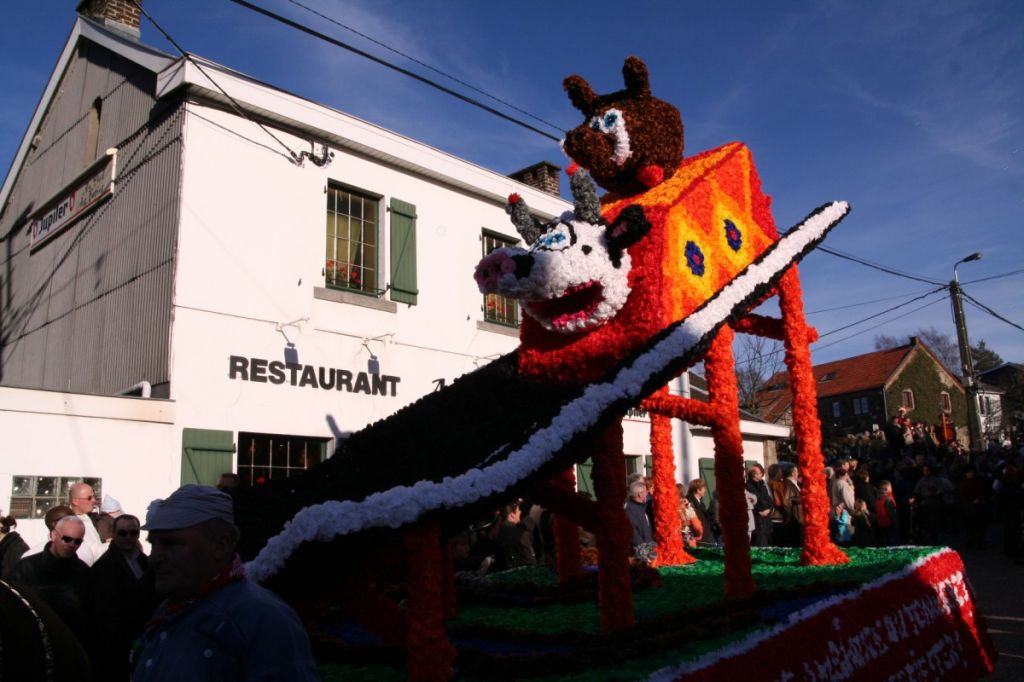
{"x":684,"y":618}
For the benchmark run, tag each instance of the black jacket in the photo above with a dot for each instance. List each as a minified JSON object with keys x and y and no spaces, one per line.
{"x":122,"y":604}
{"x":11,"y":549}
{"x":697,"y":505}
{"x":64,"y":584}
{"x":764,"y":496}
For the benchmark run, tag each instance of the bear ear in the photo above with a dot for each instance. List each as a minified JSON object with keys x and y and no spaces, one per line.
{"x":580,"y":93}
{"x":634,"y":73}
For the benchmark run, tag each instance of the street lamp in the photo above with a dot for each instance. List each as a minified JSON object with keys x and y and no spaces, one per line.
{"x":966,"y":363}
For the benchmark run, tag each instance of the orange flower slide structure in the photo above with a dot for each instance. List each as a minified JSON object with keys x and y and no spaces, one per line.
{"x":710,"y":220}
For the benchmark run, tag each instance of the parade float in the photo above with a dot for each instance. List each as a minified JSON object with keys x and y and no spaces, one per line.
{"x":620,"y":295}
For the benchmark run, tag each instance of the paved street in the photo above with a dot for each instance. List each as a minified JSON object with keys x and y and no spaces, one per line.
{"x":999,"y":587}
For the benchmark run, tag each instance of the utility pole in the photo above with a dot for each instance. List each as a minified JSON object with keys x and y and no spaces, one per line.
{"x":966,"y":363}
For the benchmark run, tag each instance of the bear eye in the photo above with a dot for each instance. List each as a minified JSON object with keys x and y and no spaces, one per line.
{"x":610,"y":119}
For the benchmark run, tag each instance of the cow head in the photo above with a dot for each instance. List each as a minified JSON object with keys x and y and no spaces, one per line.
{"x":629,"y":140}
{"x":574,"y":275}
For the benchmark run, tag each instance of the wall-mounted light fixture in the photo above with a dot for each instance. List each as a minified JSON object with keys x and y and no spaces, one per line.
{"x":373,"y":363}
{"x":291,"y":353}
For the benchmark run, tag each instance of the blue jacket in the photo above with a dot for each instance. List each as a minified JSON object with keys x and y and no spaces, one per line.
{"x":240,"y":632}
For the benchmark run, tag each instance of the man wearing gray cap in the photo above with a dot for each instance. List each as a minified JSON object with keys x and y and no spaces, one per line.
{"x":214,"y":623}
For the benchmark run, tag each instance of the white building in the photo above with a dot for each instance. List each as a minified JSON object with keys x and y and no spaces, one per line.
{"x":169,"y":309}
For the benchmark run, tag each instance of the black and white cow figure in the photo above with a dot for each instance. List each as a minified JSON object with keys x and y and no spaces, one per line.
{"x":574,"y":275}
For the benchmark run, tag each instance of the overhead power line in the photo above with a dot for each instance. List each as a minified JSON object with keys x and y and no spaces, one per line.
{"x":857,"y":305}
{"x":876,"y":326}
{"x":1005,"y":274}
{"x":426,"y":81}
{"x":863,"y":320}
{"x":292,"y":156}
{"x":425,"y":65}
{"x":887,"y":310}
{"x":988,"y":310}
{"x":876,"y":266}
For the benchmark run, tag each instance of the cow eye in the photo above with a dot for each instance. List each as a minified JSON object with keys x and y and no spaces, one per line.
{"x":550,"y":241}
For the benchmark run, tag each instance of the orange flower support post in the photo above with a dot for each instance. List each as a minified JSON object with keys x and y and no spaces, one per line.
{"x":614,"y":591}
{"x":667,"y":524}
{"x":568,"y":555}
{"x":818,"y":548}
{"x":720,"y":369}
{"x":429,"y":653}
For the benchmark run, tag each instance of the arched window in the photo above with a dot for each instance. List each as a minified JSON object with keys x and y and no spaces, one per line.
{"x":908,"y":399}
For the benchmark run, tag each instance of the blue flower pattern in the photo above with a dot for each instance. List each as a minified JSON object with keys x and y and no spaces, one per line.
{"x":733,"y":235}
{"x":695,"y":259}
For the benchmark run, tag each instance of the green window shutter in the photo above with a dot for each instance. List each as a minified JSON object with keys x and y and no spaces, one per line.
{"x":205,"y":455}
{"x":403,"y":252}
{"x":584,"y":477}
{"x":706,"y":465}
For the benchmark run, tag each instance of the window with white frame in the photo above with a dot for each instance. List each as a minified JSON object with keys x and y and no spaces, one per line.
{"x":33,"y":496}
{"x":353,"y":237}
{"x":945,"y":403}
{"x":497,"y":308}
{"x":266,"y":456}
{"x":907,"y":399}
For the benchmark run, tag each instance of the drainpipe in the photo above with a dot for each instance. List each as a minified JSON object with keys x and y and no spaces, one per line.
{"x":144,"y":387}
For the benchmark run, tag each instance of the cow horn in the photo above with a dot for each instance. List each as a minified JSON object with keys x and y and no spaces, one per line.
{"x":584,"y":193}
{"x":529,"y":228}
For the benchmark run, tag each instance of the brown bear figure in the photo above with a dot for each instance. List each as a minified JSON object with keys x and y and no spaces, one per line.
{"x":630,"y":140}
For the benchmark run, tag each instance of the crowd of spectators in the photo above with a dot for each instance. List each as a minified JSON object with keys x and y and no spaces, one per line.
{"x":102,"y":609}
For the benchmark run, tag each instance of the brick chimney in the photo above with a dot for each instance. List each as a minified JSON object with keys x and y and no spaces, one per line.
{"x":544,"y":176}
{"x":120,"y":15}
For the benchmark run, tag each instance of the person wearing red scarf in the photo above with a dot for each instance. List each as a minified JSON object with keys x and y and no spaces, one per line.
{"x":214,"y":624}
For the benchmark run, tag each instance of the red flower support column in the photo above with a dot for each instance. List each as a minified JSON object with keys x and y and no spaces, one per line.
{"x":614,"y":591}
{"x":429,"y":653}
{"x":667,"y":524}
{"x":814,"y":499}
{"x":723,"y":394}
{"x":568,"y":558}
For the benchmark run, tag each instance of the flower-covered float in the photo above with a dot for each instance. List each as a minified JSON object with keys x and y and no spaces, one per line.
{"x":621,"y":294}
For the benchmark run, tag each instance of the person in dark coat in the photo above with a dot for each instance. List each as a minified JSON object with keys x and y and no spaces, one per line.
{"x":12,"y":546}
{"x":636,"y":510}
{"x":515,"y":540}
{"x":124,"y":597}
{"x":60,"y":578}
{"x":762,"y":536}
{"x":695,"y":493}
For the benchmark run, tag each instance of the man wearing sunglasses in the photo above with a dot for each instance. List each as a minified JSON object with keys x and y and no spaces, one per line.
{"x":82,"y":500}
{"x":60,"y":578}
{"x":124,"y":599}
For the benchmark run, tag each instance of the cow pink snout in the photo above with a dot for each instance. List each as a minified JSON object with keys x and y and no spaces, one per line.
{"x":492,"y":267}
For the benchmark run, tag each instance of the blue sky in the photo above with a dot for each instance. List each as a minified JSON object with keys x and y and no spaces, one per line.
{"x":912,"y":111}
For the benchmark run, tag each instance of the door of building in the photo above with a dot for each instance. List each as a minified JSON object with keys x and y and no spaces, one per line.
{"x":205,"y":455}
